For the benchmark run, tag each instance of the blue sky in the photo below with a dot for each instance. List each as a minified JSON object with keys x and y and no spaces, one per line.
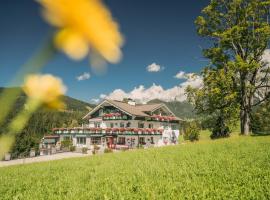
{"x":155,"y":31}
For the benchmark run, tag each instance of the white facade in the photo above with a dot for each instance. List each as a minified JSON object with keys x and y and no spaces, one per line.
{"x":115,"y":124}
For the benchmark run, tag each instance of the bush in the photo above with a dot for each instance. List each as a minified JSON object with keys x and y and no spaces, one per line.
{"x":192,"y":132}
{"x":72,"y":148}
{"x":66,"y":143}
{"x":96,"y":148}
{"x":84,"y":150}
{"x":108,"y":150}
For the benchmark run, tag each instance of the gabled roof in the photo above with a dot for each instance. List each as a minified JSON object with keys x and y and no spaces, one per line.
{"x":137,"y":110}
{"x":140,"y":110}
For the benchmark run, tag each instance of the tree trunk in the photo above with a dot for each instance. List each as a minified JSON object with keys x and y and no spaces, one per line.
{"x":245,"y":106}
{"x":245,"y":122}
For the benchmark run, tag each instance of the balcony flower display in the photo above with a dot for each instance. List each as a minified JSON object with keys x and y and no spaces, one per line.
{"x":163,"y":118}
{"x":108,"y":130}
{"x":122,"y":130}
{"x":115,"y":115}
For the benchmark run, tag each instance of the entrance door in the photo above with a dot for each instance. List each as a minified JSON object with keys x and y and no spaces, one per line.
{"x":110,"y":142}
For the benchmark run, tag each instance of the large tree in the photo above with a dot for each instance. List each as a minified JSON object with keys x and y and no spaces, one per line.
{"x":239,"y":33}
{"x":215,"y":102}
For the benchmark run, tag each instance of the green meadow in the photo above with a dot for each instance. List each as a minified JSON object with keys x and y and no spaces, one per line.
{"x":233,"y":168}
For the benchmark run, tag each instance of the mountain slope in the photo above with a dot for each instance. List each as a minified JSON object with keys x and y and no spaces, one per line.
{"x":183,"y":109}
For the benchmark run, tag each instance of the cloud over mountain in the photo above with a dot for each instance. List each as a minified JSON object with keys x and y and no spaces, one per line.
{"x":143,"y":95}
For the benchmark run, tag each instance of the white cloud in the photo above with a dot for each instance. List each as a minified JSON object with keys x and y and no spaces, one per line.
{"x":83,"y":76}
{"x":143,"y":95}
{"x":180,"y":75}
{"x":95,"y":101}
{"x":184,"y":75}
{"x":154,"y":68}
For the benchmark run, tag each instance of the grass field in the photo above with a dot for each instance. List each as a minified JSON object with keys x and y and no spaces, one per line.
{"x":234,"y":168}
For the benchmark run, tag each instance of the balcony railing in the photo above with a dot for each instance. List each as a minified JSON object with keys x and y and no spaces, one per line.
{"x":108,"y":131}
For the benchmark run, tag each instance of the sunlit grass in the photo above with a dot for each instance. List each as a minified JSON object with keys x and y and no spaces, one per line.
{"x":234,"y":168}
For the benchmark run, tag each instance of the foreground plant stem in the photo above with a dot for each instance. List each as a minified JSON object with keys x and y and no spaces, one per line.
{"x":34,"y":65}
{"x":20,"y":121}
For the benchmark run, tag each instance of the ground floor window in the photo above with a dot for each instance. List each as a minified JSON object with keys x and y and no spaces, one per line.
{"x":152,"y":140}
{"x":81,"y":140}
{"x":141,"y":140}
{"x":121,"y":140}
{"x":95,"y":140}
{"x":67,"y":138}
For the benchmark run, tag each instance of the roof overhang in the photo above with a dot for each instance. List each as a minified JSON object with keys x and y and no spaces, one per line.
{"x":99,"y":106}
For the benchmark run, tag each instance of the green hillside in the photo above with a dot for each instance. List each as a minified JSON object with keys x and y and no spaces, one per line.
{"x":233,"y":168}
{"x":43,"y":121}
{"x":183,"y":109}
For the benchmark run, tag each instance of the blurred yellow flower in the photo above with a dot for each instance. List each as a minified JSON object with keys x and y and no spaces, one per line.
{"x":84,"y":25}
{"x":46,"y":89}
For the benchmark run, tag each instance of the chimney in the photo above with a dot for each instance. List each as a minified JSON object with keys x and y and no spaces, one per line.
{"x":131,"y":102}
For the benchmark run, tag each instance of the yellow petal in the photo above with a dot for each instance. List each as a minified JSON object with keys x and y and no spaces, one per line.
{"x":71,"y":43}
{"x":88,"y":22}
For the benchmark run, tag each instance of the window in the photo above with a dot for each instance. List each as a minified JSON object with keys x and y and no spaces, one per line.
{"x":175,"y":127}
{"x":121,"y":140}
{"x":141,"y":140}
{"x":150,"y":126}
{"x":140,"y":125}
{"x":116,"y":124}
{"x":111,"y":125}
{"x":97,"y":125}
{"x":95,"y":140}
{"x":67,"y":138}
{"x":128,"y":125}
{"x":81,"y":140}
{"x":152,"y":140}
{"x":101,"y":112}
{"x":122,"y":124}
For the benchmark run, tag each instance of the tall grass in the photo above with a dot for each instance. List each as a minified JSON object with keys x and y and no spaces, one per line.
{"x":235,"y":168}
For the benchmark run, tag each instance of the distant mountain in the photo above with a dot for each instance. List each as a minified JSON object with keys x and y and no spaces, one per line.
{"x":71,"y":103}
{"x":183,"y":109}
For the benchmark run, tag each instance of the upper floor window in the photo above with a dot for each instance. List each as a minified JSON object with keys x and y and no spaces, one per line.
{"x":97,"y":125}
{"x":128,"y":125}
{"x":150,"y":126}
{"x":140,"y":125}
{"x":122,"y":124}
{"x":100,"y":112}
{"x":111,"y":125}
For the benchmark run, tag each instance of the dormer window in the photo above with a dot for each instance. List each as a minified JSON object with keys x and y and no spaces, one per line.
{"x":101,"y":112}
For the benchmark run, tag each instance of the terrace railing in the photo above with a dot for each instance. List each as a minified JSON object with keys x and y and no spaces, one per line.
{"x":108,"y":131}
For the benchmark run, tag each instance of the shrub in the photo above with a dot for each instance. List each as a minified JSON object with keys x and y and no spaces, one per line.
{"x":66,"y":143}
{"x":108,"y":150}
{"x":192,"y":132}
{"x":84,"y":150}
{"x":96,"y":148}
{"x":72,"y":148}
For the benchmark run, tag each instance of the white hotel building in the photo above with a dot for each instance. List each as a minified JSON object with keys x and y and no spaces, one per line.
{"x":116,"y":124}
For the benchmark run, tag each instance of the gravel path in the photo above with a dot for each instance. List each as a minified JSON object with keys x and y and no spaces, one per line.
{"x":42,"y":158}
